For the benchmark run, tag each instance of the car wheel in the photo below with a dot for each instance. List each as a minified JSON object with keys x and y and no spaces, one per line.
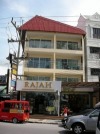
{"x":77,"y":129}
{"x":14,"y":120}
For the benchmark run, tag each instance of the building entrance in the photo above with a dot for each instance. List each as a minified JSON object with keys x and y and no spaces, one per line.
{"x":41,"y":102}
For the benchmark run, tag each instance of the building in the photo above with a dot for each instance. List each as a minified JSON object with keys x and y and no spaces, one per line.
{"x":55,"y":54}
{"x":4,"y":87}
{"x":91,"y":24}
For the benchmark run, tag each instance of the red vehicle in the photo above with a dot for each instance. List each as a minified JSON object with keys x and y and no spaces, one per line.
{"x":13,"y":110}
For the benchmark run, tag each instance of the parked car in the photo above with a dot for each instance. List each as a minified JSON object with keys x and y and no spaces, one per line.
{"x":73,"y":114}
{"x":98,"y":125}
{"x":83,"y":122}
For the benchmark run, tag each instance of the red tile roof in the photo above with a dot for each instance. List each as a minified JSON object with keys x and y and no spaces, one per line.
{"x":39,"y":23}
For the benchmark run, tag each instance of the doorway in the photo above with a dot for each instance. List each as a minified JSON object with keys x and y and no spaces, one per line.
{"x":42,"y":102}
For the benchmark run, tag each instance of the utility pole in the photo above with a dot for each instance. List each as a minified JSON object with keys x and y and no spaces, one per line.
{"x":17,"y":58}
{"x":7,"y":81}
{"x":18,"y":54}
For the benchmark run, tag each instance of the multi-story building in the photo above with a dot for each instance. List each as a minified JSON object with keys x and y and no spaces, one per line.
{"x":55,"y":53}
{"x":91,"y":24}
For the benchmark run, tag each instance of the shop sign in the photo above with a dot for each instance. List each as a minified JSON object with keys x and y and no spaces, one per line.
{"x":34,"y":85}
{"x":14,"y":66}
{"x":70,"y":90}
{"x":14,"y":71}
{"x":38,"y":85}
{"x":13,"y":77}
{"x":13,"y":83}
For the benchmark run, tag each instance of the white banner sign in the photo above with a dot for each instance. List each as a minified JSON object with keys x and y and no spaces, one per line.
{"x":38,"y":85}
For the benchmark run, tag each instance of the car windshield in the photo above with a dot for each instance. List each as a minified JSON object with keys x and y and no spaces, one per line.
{"x":84,"y":112}
{"x":88,"y":112}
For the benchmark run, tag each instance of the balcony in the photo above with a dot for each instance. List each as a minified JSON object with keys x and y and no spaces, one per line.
{"x":49,"y":69}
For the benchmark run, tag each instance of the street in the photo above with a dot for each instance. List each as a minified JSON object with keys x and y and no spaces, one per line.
{"x":30,"y":128}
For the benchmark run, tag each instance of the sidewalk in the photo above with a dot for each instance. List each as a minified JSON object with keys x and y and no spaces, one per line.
{"x":45,"y":119}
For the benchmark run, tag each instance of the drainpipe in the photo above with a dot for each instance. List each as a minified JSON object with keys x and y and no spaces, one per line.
{"x":99,"y":87}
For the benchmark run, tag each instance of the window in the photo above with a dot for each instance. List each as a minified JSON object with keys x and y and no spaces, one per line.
{"x":61,"y":44}
{"x":38,"y":78}
{"x":73,"y":45}
{"x":66,"y":79}
{"x":95,"y":71}
{"x":73,"y":64}
{"x":39,"y":63}
{"x":95,"y":50}
{"x":96,"y":33}
{"x":45,"y":63}
{"x":34,"y":43}
{"x":45,"y":43}
{"x":61,"y":79}
{"x":67,"y":64}
{"x":67,"y":45}
{"x":6,"y":107}
{"x":95,"y":113}
{"x":73,"y":80}
{"x":37,"y":43}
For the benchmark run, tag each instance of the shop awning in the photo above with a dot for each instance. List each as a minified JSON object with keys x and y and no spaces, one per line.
{"x":81,"y":84}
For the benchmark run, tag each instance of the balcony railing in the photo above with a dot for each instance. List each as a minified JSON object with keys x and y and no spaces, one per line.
{"x":50,"y":65}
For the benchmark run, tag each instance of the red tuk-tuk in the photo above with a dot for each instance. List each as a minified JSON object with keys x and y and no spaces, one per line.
{"x":15,"y":111}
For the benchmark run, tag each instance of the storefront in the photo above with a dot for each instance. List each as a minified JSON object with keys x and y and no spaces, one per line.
{"x":75,"y":101}
{"x":44,"y":96}
{"x":77,"y":98}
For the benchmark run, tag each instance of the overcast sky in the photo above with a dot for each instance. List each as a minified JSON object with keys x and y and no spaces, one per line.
{"x":65,"y":11}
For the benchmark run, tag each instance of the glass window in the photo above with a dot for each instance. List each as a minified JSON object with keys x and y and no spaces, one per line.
{"x":64,"y":64}
{"x":95,"y":71}
{"x":42,"y":78}
{"x":30,"y":63}
{"x":59,"y":63}
{"x":63,"y":79}
{"x":37,"y":43}
{"x":38,"y":78}
{"x":48,"y":63}
{"x":61,"y":44}
{"x":73,"y":45}
{"x":36,"y":62}
{"x":95,"y":113}
{"x":39,"y":63}
{"x":42,"y":63}
{"x":29,"y":77}
{"x":95,"y":50}
{"x":45,"y":63}
{"x":34,"y":43}
{"x":72,"y":79}
{"x":67,"y":64}
{"x":96,"y":33}
{"x":73,"y":64}
{"x":45,"y":43}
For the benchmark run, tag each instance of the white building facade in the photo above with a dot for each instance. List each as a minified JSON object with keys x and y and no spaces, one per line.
{"x":91,"y":24}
